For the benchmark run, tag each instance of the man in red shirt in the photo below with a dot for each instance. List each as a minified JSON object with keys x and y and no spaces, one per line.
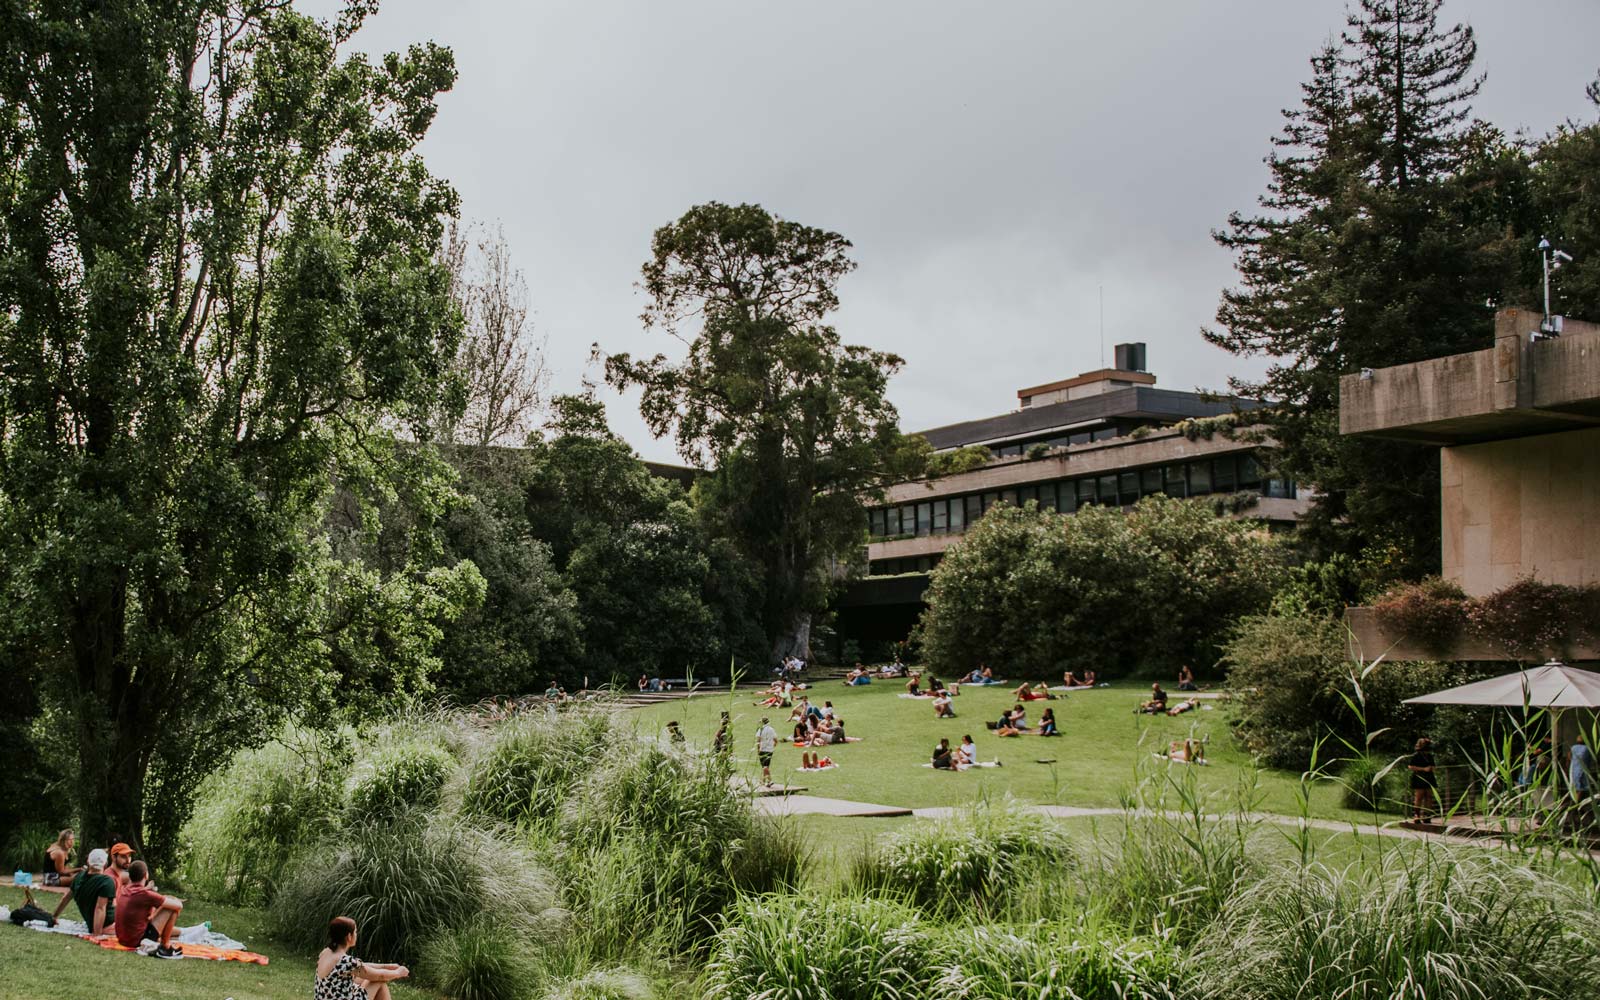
{"x":144,"y":914}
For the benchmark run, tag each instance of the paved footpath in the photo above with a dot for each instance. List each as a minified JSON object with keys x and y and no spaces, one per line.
{"x":794,"y":805}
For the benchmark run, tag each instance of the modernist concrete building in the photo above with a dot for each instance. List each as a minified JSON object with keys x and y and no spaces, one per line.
{"x":1105,"y":437}
{"x":1518,"y":425}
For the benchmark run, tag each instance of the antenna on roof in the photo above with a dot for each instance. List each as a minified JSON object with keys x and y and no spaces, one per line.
{"x":1102,"y":326}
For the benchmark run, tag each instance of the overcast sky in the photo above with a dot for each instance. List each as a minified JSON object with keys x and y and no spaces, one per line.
{"x":995,"y":164}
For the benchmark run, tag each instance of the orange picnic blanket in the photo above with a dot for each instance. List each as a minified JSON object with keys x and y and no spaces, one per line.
{"x":191,"y":951}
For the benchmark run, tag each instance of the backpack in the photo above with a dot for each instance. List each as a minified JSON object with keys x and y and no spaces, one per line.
{"x":28,"y":912}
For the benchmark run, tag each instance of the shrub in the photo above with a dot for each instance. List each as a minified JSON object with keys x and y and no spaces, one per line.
{"x":660,"y":829}
{"x":1368,"y":782}
{"x":1079,"y":960}
{"x":974,"y":858}
{"x":397,"y":777}
{"x":252,"y":817}
{"x":602,"y":984}
{"x":1529,"y":619}
{"x":1432,"y":613}
{"x":839,"y":948}
{"x":26,"y":847}
{"x":1468,"y":925}
{"x":483,"y":960}
{"x":523,"y":777}
{"x":405,"y":880}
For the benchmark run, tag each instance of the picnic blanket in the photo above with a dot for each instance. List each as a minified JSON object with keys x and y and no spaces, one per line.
{"x":199,"y":941}
{"x":981,"y":763}
{"x":826,"y":767}
{"x":1179,"y":760}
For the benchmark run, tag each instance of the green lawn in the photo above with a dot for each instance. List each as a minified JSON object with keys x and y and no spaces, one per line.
{"x":1104,"y":753}
{"x":53,"y":965}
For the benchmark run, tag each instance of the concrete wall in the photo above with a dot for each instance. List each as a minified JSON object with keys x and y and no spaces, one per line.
{"x":1523,"y":507}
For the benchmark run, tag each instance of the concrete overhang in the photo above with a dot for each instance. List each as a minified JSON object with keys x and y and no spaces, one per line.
{"x":1516,"y":388}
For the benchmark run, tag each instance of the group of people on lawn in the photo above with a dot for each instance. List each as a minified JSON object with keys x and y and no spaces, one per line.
{"x":114,"y":895}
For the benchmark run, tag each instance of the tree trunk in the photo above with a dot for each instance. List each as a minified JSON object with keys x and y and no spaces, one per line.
{"x":113,"y":741}
{"x":795,"y":639}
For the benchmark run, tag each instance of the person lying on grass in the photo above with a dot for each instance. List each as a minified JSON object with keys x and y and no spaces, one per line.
{"x":942,"y":708}
{"x":1157,"y":703}
{"x":143,"y":914}
{"x":342,"y":976}
{"x":1190,"y":751}
{"x":1047,"y":724}
{"x":1184,"y":706}
{"x":1029,"y":692}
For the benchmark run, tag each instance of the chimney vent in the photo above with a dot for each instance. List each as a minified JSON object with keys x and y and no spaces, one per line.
{"x":1130,"y":357}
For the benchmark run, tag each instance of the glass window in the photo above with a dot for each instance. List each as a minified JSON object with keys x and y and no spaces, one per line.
{"x":1249,"y":473}
{"x":1150,"y":481}
{"x":941,"y":517}
{"x":1128,"y":488}
{"x":1008,"y":451}
{"x":1059,"y":442}
{"x":1008,"y":496}
{"x":891,"y":522}
{"x":1026,"y":493}
{"x":974,"y":508}
{"x":958,"y":508}
{"x":1280,"y":488}
{"x":1105,"y":433}
{"x":924,"y":519}
{"x":1082,"y":437}
{"x":1222,"y":474}
{"x":990,"y":499}
{"x":1047,"y":496}
{"x":1177,"y":481}
{"x":1199,"y":478}
{"x":1108,"y":489}
{"x":1085,"y":492}
{"x":1066,"y":496}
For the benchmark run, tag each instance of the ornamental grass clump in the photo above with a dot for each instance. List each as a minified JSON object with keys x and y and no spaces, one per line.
{"x":405,"y":880}
{"x":483,"y":960}
{"x":397,"y":776}
{"x":1466,"y":925}
{"x":659,"y":830}
{"x":978,"y":858}
{"x":601,"y":984}
{"x":523,"y":776}
{"x":251,"y":818}
{"x":1373,"y":783}
{"x":1082,"y":960}
{"x":835,"y":948}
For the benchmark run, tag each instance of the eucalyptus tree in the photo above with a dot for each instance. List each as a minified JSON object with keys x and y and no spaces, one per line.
{"x":793,"y":420}
{"x":219,"y":293}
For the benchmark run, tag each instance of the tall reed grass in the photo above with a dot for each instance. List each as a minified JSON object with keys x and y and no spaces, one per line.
{"x":523,"y":776}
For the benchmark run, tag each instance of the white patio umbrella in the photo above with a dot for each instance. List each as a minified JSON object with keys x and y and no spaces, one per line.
{"x":1554,"y":685}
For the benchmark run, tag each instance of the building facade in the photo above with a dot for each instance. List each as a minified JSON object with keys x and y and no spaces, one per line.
{"x":1106,"y":437}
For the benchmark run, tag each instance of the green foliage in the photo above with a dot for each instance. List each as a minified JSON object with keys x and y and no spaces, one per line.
{"x":1432,"y":612}
{"x":1030,"y":592}
{"x":954,"y":462}
{"x":26,"y":846}
{"x":1373,"y":783}
{"x":483,"y":960}
{"x":794,"y":420}
{"x":219,"y":292}
{"x":1391,"y":227}
{"x":252,"y":817}
{"x":1471,"y":924}
{"x":1294,"y":676}
{"x":407,"y":880}
{"x":398,"y":777}
{"x":986,"y":857}
{"x":1529,"y":619}
{"x":1082,"y":960}
{"x":524,"y":775}
{"x":601,"y":984}
{"x":658,"y":828}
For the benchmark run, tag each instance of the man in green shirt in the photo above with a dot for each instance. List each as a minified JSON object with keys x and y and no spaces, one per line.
{"x":95,"y":893}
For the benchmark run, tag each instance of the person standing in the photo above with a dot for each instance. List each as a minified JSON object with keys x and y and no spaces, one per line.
{"x":719,"y":742}
{"x":766,"y":742}
{"x":1422,"y":781}
{"x":1580,"y":769}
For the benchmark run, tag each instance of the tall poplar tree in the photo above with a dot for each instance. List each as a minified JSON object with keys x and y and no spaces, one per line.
{"x":1383,"y":239}
{"x":219,"y":290}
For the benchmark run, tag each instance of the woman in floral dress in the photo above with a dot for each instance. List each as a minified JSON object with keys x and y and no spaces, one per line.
{"x":342,"y":976}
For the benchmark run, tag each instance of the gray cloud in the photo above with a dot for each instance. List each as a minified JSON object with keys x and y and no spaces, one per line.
{"x":994,"y":163}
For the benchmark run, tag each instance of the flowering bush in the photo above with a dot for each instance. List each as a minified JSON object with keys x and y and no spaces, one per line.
{"x":1529,"y":620}
{"x":1433,"y":613}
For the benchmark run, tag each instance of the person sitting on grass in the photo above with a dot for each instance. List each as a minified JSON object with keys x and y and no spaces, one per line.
{"x":1184,"y":706}
{"x":967,"y":754}
{"x":1157,"y":703}
{"x":1047,"y":724}
{"x":943,"y":759}
{"x":95,"y":892}
{"x":827,"y":710}
{"x":1069,"y":679}
{"x":58,"y":868}
{"x":342,"y":976}
{"x":1186,"y":679}
{"x":1029,"y":692}
{"x":1019,"y":718}
{"x":914,"y":684}
{"x":857,"y":676}
{"x":1090,"y":678}
{"x":1005,"y":727}
{"x":941,"y":707}
{"x":801,"y":733}
{"x":1190,"y":751}
{"x":143,"y":914}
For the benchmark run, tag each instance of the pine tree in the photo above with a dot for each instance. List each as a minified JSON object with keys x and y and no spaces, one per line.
{"x":1382,"y":240}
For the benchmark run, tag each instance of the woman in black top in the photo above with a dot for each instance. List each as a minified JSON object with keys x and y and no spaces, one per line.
{"x":1422,"y":780}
